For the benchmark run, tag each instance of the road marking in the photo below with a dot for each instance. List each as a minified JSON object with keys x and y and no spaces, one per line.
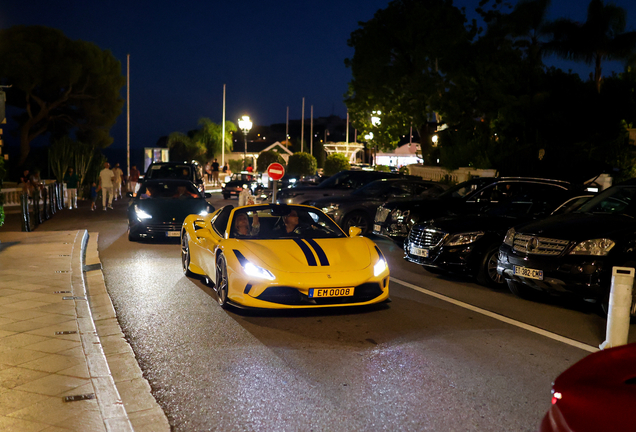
{"x":498,"y":317}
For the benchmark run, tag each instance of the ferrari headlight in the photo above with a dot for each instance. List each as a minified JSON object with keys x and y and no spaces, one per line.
{"x":463,"y":238}
{"x":379,"y":267}
{"x":597,"y":247}
{"x":141,"y":214}
{"x":256,"y":271}
{"x":203,"y":213}
{"x":509,"y":239}
{"x":223,"y":184}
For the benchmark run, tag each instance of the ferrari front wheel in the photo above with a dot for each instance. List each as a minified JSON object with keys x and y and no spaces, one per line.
{"x":221,"y":285}
{"x":185,"y":255}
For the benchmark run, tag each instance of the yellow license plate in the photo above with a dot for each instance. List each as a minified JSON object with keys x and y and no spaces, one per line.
{"x":330,"y":292}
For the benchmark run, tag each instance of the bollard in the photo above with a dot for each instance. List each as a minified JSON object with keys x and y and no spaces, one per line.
{"x":619,"y":310}
{"x":26,"y":217}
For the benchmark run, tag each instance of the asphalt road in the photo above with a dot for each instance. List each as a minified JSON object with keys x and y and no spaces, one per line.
{"x":418,"y":363}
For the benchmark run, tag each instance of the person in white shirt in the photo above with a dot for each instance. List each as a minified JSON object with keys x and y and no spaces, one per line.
{"x":106,"y":179}
{"x":119,"y":175}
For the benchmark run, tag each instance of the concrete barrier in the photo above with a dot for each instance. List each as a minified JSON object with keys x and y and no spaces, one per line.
{"x":620,"y":305}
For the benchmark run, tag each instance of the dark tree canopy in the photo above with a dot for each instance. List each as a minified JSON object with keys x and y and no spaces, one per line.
{"x":60,"y":84}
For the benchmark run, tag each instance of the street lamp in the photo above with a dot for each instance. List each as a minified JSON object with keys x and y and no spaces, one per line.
{"x":245,"y":124}
{"x":375,"y":121}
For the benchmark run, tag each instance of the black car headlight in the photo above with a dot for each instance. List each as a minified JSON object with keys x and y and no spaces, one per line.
{"x":141,"y":215}
{"x":596,"y":247}
{"x":509,"y":239}
{"x":463,"y":238}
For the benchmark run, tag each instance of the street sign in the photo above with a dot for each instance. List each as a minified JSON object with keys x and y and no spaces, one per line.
{"x":275,"y":171}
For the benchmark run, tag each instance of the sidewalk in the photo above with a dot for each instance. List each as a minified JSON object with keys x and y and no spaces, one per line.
{"x":64,"y":362}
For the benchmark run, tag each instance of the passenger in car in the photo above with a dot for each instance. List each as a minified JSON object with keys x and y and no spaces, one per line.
{"x":242,"y":225}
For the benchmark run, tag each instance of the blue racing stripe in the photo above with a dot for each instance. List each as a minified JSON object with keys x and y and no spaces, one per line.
{"x":322,"y":256}
{"x":311,"y":260}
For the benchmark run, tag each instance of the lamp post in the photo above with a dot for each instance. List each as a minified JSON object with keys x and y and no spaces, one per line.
{"x":245,"y":124}
{"x":375,"y":121}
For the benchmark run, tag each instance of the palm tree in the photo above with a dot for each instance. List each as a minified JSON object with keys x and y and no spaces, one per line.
{"x":210,"y":135}
{"x":601,"y":37}
{"x":185,"y":147}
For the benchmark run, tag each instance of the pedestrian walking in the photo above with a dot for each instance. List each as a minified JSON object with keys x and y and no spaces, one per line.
{"x":133,"y":179}
{"x":71,"y":179}
{"x":93,"y":196}
{"x":106,"y":181}
{"x":119,"y":176}
{"x":215,"y":173}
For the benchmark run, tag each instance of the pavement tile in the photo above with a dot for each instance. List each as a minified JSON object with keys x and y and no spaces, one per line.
{"x":50,"y":331}
{"x":77,"y":352}
{"x":23,"y":315}
{"x":67,"y":308}
{"x":55,"y":410}
{"x":13,"y":400}
{"x":14,"y":424}
{"x":79,"y":371}
{"x":25,"y":304}
{"x":54,"y":345}
{"x":4,"y":321}
{"x":88,"y":421}
{"x":18,"y":356}
{"x":16,"y":376}
{"x":123,"y":367}
{"x":52,"y":363}
{"x":8,"y":299}
{"x":52,"y":319}
{"x":54,"y":429}
{"x":115,"y":344}
{"x":83,"y":389}
{"x":20,"y":340}
{"x":136,"y":395}
{"x":21,"y":326}
{"x":38,"y":296}
{"x":52,"y":385}
{"x":4,"y":333}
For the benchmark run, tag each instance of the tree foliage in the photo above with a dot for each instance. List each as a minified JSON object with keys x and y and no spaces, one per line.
{"x":61,"y":85}
{"x":268,"y":157}
{"x":500,"y":107}
{"x":301,"y":164}
{"x":186,"y":147}
{"x":335,"y":163}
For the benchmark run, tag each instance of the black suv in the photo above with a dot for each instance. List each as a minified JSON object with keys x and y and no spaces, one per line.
{"x":339,"y":184}
{"x":573,"y":253}
{"x":176,"y":170}
{"x":469,"y":244}
{"x":395,"y":219}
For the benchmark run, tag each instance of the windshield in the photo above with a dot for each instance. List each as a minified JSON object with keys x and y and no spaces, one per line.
{"x":615,"y":200}
{"x":282,"y":222}
{"x":168,"y":190}
{"x":182,"y":172}
{"x":464,"y":189}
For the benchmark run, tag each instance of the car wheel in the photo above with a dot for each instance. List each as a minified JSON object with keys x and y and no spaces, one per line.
{"x":487,"y":273}
{"x":221,"y":285}
{"x":523,"y":291}
{"x":185,"y":255}
{"x":357,"y":219}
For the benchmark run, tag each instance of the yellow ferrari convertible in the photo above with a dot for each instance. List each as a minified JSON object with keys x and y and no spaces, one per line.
{"x":282,"y":257}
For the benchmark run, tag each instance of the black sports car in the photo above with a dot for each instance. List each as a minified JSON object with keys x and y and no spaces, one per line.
{"x":573,"y":253}
{"x":470,"y":244}
{"x":159,"y":208}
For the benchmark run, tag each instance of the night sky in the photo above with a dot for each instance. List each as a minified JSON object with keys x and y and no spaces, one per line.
{"x":270,"y":54}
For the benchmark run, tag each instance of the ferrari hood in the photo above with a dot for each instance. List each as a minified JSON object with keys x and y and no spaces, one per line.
{"x":311,"y":255}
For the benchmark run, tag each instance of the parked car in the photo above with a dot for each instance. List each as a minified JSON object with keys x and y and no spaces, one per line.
{"x":160,"y":206}
{"x":469,"y":244}
{"x":190,"y":171}
{"x":359,"y":207}
{"x":573,"y":253}
{"x":339,"y":184}
{"x":595,"y":394}
{"x":395,"y":219}
{"x":238,"y":182}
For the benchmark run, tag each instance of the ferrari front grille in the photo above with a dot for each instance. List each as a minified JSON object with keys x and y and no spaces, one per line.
{"x":291,"y":296}
{"x":423,"y":237}
{"x":532,"y":245}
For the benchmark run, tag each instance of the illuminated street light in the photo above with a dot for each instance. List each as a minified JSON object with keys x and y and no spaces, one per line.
{"x":434,"y":138}
{"x":245,"y":124}
{"x":375,"y":118}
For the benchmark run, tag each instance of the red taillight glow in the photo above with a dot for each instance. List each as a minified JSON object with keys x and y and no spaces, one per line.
{"x":556,"y":396}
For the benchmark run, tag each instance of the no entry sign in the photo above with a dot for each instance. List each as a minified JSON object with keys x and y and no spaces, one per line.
{"x":275,"y":171}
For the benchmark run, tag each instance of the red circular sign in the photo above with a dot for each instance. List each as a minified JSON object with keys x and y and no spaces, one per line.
{"x":275,"y":171}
